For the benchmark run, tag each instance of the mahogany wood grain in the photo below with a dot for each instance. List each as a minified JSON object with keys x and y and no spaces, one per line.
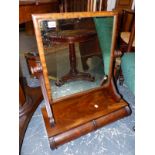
{"x":71,"y":15}
{"x":36,"y":70}
{"x":76,"y":132}
{"x":27,"y":8}
{"x":44,"y":70}
{"x":123,"y":4}
{"x":47,"y":101}
{"x":72,"y":112}
{"x":88,"y":127}
{"x":127,"y":19}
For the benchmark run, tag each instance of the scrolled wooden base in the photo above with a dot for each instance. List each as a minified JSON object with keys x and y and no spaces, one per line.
{"x":81,"y":130}
{"x":83,"y":113}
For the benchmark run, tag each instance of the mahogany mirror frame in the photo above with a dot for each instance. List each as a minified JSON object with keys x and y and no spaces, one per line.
{"x":56,"y":16}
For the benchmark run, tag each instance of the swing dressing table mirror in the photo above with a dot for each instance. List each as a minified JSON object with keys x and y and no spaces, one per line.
{"x":76,"y":102}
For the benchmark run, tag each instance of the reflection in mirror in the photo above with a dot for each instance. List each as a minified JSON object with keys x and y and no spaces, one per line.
{"x":74,"y":50}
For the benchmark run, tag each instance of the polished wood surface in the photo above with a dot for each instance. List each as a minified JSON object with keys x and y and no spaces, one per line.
{"x":79,"y":109}
{"x":35,"y":68}
{"x":88,"y":127}
{"x":123,"y":4}
{"x":27,"y":8}
{"x":71,"y":15}
{"x":128,"y":17}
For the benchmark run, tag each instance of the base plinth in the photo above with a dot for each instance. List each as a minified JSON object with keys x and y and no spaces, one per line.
{"x":82,"y":113}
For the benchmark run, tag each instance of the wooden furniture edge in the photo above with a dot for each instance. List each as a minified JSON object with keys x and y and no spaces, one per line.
{"x":70,"y":15}
{"x":90,"y":126}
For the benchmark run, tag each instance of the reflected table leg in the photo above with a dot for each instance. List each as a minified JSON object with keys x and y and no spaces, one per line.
{"x":74,"y":74}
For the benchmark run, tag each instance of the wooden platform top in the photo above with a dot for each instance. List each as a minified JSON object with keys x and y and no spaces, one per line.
{"x":72,"y":112}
